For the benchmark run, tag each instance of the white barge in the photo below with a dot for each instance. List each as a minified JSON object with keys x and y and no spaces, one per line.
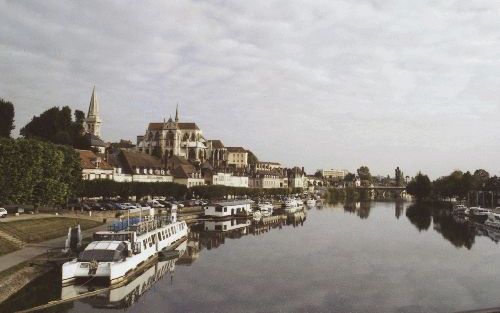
{"x":118,"y":252}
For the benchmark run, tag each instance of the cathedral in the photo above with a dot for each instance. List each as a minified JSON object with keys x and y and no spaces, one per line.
{"x":173,"y":138}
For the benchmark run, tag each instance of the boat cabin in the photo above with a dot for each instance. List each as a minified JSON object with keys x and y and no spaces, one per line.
{"x":228,"y":208}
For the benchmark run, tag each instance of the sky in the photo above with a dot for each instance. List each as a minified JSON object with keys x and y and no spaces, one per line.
{"x":320,"y":84}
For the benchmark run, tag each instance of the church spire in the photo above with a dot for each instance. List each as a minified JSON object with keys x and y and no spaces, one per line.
{"x":177,"y":113}
{"x":93,"y":120}
{"x":94,"y":105}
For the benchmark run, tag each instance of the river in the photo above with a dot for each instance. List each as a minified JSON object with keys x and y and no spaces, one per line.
{"x":362,"y":257}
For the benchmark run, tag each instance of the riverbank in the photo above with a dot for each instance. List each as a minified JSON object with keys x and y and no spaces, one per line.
{"x":19,"y":268}
{"x":17,"y":277}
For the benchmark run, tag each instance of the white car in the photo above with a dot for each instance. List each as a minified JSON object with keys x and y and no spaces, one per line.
{"x":3,"y":212}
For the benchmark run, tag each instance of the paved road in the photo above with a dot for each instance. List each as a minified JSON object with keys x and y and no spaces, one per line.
{"x":30,"y":251}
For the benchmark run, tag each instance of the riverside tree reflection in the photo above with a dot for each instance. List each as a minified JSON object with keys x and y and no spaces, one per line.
{"x":361,"y":209}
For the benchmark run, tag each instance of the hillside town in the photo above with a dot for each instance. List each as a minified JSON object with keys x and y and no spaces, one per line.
{"x":177,"y":151}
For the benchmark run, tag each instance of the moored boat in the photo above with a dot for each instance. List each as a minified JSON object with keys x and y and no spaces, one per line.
{"x":311,"y":202}
{"x":493,"y":220}
{"x":118,"y":252}
{"x":266,"y":208}
{"x":479,"y":214}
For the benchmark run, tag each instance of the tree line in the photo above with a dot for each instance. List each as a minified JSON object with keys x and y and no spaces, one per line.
{"x":111,"y":189}
{"x":37,"y":172}
{"x":457,"y":185}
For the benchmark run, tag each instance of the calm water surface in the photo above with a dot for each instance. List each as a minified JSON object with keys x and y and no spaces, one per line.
{"x":378,"y":257}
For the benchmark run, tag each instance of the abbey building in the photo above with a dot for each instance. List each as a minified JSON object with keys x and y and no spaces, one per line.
{"x":173,"y":138}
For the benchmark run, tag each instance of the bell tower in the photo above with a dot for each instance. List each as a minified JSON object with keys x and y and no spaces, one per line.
{"x":93,"y":120}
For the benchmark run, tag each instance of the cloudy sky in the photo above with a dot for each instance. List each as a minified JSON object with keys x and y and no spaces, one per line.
{"x":324,"y":84}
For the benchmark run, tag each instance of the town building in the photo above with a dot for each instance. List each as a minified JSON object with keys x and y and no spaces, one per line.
{"x":228,"y":179}
{"x":184,"y":172}
{"x":266,"y":166}
{"x":138,"y":167}
{"x":268,"y":179}
{"x":93,"y":166}
{"x":237,"y":157}
{"x":174,"y":138}
{"x":334,"y":173}
{"x":297,"y":178}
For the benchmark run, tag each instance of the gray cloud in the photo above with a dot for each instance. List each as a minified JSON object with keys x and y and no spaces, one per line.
{"x":323,"y":84}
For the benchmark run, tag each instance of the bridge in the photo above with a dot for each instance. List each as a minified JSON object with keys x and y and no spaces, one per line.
{"x":384,"y":191}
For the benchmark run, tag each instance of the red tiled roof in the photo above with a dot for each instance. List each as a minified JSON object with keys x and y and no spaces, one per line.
{"x":138,"y":159}
{"x":87,"y":160}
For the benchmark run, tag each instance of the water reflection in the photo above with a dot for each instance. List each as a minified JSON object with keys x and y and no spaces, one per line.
{"x":212,"y":234}
{"x":386,"y":267}
{"x":458,"y":230}
{"x":361,"y":209}
{"x":420,"y":216}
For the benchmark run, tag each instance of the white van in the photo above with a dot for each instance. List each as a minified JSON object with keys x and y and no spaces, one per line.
{"x":3,"y":212}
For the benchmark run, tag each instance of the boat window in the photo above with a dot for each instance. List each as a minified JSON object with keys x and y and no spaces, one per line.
{"x":102,"y":255}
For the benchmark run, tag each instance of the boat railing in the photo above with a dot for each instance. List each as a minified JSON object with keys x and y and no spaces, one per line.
{"x":139,"y":225}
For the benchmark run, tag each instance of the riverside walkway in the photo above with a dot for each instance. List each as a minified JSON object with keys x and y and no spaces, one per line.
{"x":30,"y":251}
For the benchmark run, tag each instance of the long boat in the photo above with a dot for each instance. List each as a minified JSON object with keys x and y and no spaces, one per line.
{"x":118,"y":252}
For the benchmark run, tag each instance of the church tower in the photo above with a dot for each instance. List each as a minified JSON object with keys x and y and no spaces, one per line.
{"x":93,"y":120}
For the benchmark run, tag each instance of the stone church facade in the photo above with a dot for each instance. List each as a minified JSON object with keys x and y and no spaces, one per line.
{"x":174,"y":138}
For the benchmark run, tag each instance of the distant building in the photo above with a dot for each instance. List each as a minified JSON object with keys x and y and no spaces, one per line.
{"x":217,"y":153}
{"x":93,"y":166}
{"x":334,"y":173}
{"x":268,"y":179}
{"x":237,"y":156}
{"x":188,"y":175}
{"x":229,"y":179}
{"x":138,"y":167}
{"x":173,"y":138}
{"x":266,"y":166}
{"x":297,"y":178}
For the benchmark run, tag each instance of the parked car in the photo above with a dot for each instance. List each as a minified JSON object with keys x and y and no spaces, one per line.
{"x":120,"y":206}
{"x":108,"y":205}
{"x":3,"y":212}
{"x":165,"y":204}
{"x":85,"y":206}
{"x":96,"y":206}
{"x":156,"y":204}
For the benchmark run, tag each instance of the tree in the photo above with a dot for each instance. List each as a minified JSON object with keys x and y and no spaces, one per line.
{"x":57,"y":126}
{"x":420,"y":187}
{"x":364,"y":175}
{"x":318,"y":174}
{"x":398,"y":176}
{"x":6,"y":118}
{"x":252,"y":158}
{"x":37,"y":172}
{"x":480,"y":178}
{"x":349,"y":177}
